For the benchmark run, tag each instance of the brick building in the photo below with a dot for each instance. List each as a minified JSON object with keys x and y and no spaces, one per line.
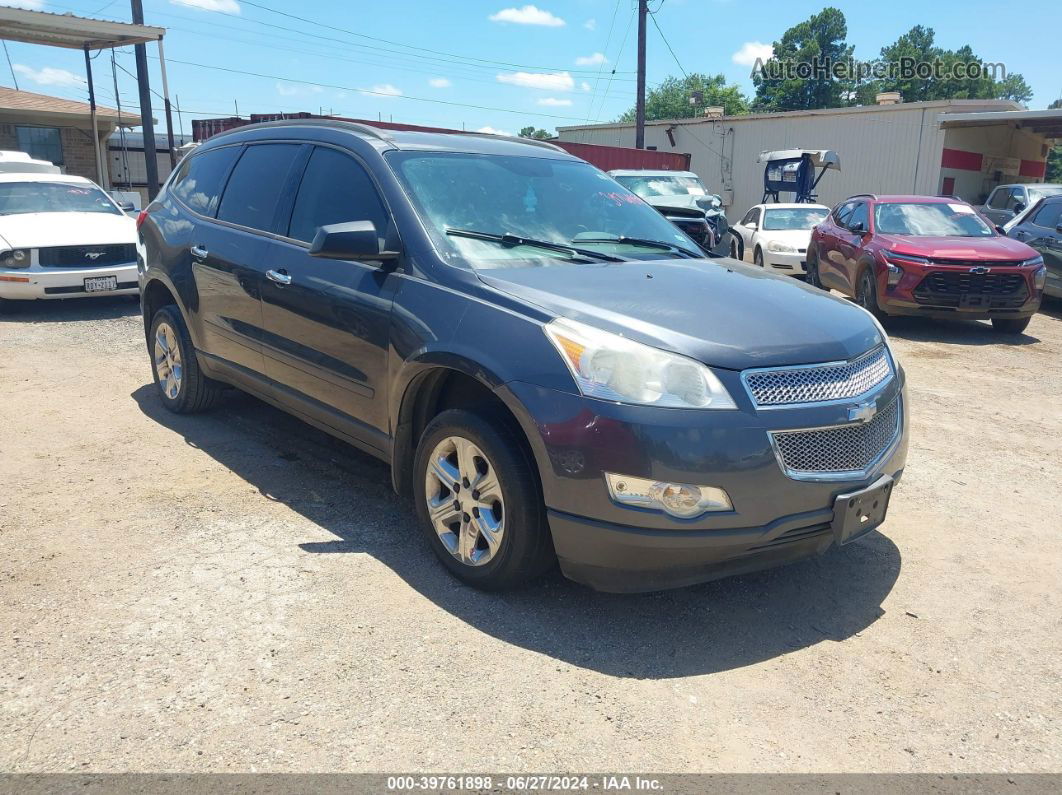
{"x":58,"y":130}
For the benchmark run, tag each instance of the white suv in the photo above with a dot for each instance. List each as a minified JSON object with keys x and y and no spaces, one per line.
{"x":63,"y":237}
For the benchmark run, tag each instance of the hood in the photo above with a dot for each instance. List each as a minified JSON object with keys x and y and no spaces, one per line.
{"x":721,"y":312}
{"x":682,"y":201}
{"x":35,"y":230}
{"x":964,"y":248}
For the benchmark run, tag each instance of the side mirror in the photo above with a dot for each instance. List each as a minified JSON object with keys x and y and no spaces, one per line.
{"x":354,"y":240}
{"x":1018,"y":207}
{"x":752,"y":225}
{"x":126,"y":207}
{"x":857,"y":228}
{"x":1001,"y":230}
{"x":1059,"y":228}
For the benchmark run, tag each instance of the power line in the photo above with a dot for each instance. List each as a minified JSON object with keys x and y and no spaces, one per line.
{"x":597,"y":79}
{"x":652,"y":16}
{"x":619,"y":55}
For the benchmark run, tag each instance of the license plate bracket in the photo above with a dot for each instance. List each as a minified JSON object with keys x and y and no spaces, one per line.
{"x":101,"y":284}
{"x":857,"y":513}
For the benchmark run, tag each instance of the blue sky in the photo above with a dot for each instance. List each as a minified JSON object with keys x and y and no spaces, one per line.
{"x":493,"y":64}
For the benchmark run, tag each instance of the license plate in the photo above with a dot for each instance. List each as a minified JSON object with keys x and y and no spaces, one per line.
{"x":99,"y":284}
{"x":857,"y":513}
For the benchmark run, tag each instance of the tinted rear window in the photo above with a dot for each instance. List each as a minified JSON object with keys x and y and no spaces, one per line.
{"x":334,"y":189}
{"x":200,"y":181}
{"x":251,"y":195}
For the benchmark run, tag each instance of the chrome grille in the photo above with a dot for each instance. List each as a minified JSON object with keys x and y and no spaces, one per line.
{"x":840,"y":449}
{"x":839,"y":381}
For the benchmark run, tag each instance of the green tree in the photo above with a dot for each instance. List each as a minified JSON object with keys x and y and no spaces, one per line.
{"x":531,"y":132}
{"x":671,"y":99}
{"x":817,"y":44}
{"x":1013,"y":86}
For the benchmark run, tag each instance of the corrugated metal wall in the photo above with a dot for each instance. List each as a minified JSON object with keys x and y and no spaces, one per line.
{"x":608,"y":158}
{"x":894,"y":149}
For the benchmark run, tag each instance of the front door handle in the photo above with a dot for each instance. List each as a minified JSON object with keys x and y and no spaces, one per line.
{"x":199,"y":252}
{"x":281,"y":277}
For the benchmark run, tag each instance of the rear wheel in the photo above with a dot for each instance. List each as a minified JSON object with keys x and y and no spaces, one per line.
{"x":478,"y":501}
{"x":867,"y":294}
{"x":183,"y":387}
{"x":1010,"y":325}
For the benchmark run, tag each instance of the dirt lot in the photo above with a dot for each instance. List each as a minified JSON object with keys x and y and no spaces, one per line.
{"x":236,"y":592}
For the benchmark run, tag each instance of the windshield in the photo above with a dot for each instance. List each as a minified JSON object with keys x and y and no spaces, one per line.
{"x":557,"y":201}
{"x":1043,"y":190}
{"x":646,"y":186}
{"x":793,"y":218}
{"x":53,"y":197}
{"x":930,"y":219}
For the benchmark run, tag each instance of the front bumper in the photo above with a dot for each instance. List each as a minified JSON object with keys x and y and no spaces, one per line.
{"x":776,"y":519}
{"x":791,"y":264}
{"x":910,"y":296}
{"x":35,"y":282}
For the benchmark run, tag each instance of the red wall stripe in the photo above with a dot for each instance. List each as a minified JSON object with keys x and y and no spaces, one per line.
{"x":1036,"y":169}
{"x":961,"y":159}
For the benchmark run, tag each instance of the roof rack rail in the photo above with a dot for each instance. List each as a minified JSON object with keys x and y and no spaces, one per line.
{"x":515,"y":139}
{"x":375,"y":132}
{"x":863,"y":196}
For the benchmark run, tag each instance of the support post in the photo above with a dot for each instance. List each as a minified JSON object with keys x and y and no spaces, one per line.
{"x":101,"y":178}
{"x":147,"y":123}
{"x":639,"y":112}
{"x":169,"y":112}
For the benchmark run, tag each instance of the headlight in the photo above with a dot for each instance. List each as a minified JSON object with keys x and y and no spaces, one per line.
{"x":780,"y":248}
{"x":611,"y":367}
{"x":16,"y":258}
{"x":1040,"y":277}
{"x":895,"y":274}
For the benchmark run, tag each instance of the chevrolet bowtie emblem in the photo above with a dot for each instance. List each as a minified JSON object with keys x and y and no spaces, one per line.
{"x":980,"y":269}
{"x":862,"y":412}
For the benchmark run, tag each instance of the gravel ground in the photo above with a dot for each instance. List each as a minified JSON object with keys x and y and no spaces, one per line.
{"x":238,"y":592}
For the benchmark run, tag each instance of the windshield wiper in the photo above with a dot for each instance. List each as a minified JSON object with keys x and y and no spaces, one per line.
{"x":510,"y":241}
{"x":639,"y":241}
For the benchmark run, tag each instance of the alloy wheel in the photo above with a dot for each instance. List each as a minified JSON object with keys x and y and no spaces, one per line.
{"x":168,"y":364}
{"x":465,"y":501}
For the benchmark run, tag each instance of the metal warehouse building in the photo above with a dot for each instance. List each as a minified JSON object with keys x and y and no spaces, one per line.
{"x":952,"y":147}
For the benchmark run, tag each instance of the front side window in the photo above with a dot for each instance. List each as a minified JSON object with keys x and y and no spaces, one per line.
{"x":998,"y":199}
{"x":334,"y":189}
{"x":1017,"y":195}
{"x":1049,"y":215}
{"x":199,"y":182}
{"x":252,"y":191}
{"x":843,"y":213}
{"x":558,"y":201}
{"x":930,"y":219}
{"x":793,"y":218}
{"x":41,"y":143}
{"x":17,"y":198}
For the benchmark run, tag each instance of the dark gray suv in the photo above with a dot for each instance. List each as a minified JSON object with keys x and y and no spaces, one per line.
{"x":551,"y":369}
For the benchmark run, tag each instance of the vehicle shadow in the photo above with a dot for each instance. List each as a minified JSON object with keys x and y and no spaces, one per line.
{"x":70,"y":310}
{"x":953,"y":332}
{"x":703,"y":629}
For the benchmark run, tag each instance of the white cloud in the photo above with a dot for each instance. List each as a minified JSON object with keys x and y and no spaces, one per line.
{"x":384,"y":89}
{"x":528,"y":15}
{"x":226,"y":6}
{"x":550,"y":81}
{"x":751,"y":51}
{"x":590,"y":24}
{"x":29,"y":5}
{"x":596,"y":59}
{"x":297,"y":89}
{"x":492,"y":131}
{"x":50,"y":76}
{"x":584,"y":86}
{"x":439,"y":82}
{"x":553,"y":102}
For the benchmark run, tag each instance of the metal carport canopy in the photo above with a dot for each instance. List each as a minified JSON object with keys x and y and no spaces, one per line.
{"x":75,"y":33}
{"x":1047,"y":123}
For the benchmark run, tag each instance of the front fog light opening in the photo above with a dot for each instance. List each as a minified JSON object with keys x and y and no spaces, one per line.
{"x":682,"y":500}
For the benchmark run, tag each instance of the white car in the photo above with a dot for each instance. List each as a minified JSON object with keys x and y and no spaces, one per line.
{"x":776,"y":236}
{"x":63,"y":237}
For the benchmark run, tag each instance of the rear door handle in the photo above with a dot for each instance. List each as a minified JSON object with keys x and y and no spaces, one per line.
{"x":281,"y":277}
{"x":199,"y":252}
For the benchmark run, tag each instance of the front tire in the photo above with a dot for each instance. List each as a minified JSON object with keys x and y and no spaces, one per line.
{"x":867,"y":295}
{"x":735,"y":252}
{"x":757,"y":257}
{"x":811,"y":270}
{"x":183,"y":387}
{"x":478,"y":501}
{"x":1010,"y":325}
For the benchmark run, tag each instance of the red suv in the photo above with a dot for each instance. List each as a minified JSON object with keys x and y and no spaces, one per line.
{"x":926,"y":255}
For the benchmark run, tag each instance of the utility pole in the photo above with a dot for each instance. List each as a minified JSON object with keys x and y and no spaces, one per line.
{"x":639,"y":112}
{"x":147,"y":124}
